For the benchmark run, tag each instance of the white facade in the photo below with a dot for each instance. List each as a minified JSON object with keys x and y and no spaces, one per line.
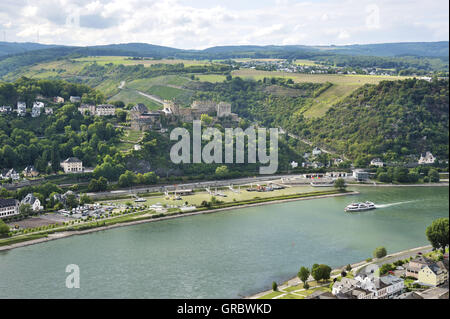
{"x":427,"y":159}
{"x":72,"y":165}
{"x":105,"y":110}
{"x":8,"y":207}
{"x":377,"y":162}
{"x":316,"y":151}
{"x":21,"y":108}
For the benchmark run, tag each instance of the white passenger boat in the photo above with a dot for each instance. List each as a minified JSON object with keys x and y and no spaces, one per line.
{"x":359,"y":207}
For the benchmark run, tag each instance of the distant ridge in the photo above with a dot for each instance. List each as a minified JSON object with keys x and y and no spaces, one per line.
{"x":420,"y":49}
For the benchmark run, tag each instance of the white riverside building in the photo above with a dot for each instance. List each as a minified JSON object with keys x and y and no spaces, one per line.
{"x":8,"y":207}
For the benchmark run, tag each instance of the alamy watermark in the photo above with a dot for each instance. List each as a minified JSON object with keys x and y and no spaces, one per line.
{"x":212,"y":152}
{"x":73,"y":279}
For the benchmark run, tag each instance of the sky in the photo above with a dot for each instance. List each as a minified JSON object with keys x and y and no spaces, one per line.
{"x":198,"y":24}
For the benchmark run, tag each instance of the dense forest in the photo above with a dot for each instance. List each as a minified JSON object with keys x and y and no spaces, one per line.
{"x":392,"y":120}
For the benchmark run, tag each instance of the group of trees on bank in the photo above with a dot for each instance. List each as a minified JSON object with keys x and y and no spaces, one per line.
{"x":405,"y":175}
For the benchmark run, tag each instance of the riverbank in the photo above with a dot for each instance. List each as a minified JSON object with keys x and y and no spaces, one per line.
{"x":149,"y":218}
{"x":289,"y":286}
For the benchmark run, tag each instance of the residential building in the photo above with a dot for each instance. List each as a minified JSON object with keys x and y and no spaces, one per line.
{"x":10,"y":173}
{"x":21,"y":108}
{"x":337,"y":161}
{"x":369,"y":287}
{"x":5,"y":109}
{"x":33,"y":201}
{"x":414,"y":266}
{"x":8,"y":207}
{"x":48,"y":110}
{"x":72,"y":165}
{"x":58,"y":99}
{"x":84,"y":108}
{"x":30,"y":171}
{"x":316,"y":151}
{"x":75,"y":99}
{"x":105,"y":110}
{"x":294,"y":164}
{"x":360,"y":175}
{"x":427,"y":159}
{"x":37,"y":109}
{"x":377,"y":162}
{"x":434,"y":274}
{"x":137,"y":147}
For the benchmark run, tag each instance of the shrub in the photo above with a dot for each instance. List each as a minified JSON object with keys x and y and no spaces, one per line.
{"x":274,"y":286}
{"x":379,"y":252}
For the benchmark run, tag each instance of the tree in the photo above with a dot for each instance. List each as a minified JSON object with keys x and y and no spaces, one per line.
{"x":343,"y":273}
{"x":206,"y":119}
{"x":340,"y":184}
{"x":384,"y":178}
{"x":274,"y":286}
{"x":4,"y":229}
{"x":401,"y":174}
{"x":379,"y":252}
{"x":127,"y":179}
{"x":433,"y":175}
{"x":25,"y":210}
{"x":348,"y":268}
{"x":222,"y":171}
{"x":437,"y":233}
{"x":303,"y":274}
{"x":321,"y":272}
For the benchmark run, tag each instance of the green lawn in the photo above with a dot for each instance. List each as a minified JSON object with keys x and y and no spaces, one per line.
{"x":198,"y":198}
{"x":131,"y":96}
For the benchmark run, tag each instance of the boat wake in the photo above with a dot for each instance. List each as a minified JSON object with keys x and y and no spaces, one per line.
{"x":393,"y":204}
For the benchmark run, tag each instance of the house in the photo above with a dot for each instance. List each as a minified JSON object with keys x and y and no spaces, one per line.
{"x":306,"y":155}
{"x":137,"y":147}
{"x":8,"y":207}
{"x":37,"y":109}
{"x":369,"y":287}
{"x":316,"y":151}
{"x":5,"y":109}
{"x":414,"y":266}
{"x":337,"y":161}
{"x":87,"y":108}
{"x":434,"y":274}
{"x":75,"y":99}
{"x":34,"y":202}
{"x":105,"y":110}
{"x":21,"y":108}
{"x":427,"y":159}
{"x":72,"y":165}
{"x":30,"y":171}
{"x":62,"y":198}
{"x":360,"y":175}
{"x":10,"y":173}
{"x":377,"y":162}
{"x":58,"y":99}
{"x":48,"y":110}
{"x":294,"y":164}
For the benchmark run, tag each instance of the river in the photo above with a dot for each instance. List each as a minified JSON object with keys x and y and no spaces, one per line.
{"x":223,"y":255}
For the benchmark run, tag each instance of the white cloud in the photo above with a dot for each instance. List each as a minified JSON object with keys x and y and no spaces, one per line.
{"x":200,"y":24}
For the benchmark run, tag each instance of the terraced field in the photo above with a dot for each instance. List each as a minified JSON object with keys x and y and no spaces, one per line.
{"x":343,"y":85}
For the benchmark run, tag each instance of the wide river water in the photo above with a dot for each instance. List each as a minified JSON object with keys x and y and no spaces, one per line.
{"x":223,"y":255}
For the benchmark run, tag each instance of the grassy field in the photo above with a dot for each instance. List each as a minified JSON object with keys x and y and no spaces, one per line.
{"x":343,"y":85}
{"x":213,"y":78}
{"x":131,"y":96}
{"x":102,"y":60}
{"x":305,"y":62}
{"x":198,"y":198}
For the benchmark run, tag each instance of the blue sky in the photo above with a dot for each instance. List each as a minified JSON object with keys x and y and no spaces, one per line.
{"x":205,"y":23}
